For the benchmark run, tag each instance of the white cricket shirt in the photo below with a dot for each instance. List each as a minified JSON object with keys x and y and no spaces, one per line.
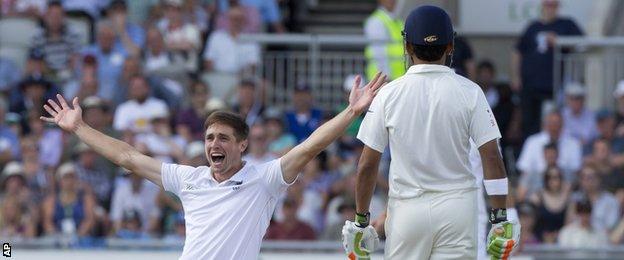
{"x":225,"y":220}
{"x":428,"y":116}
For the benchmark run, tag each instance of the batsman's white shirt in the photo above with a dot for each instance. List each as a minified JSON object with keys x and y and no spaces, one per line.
{"x":225,"y":220}
{"x":428,"y":117}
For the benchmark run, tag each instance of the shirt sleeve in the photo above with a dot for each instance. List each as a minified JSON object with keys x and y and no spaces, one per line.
{"x":373,"y":132}
{"x":274,"y":177}
{"x":173,"y":175}
{"x":483,"y":126}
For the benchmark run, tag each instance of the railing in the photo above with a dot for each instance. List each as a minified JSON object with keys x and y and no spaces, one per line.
{"x":596,"y":62}
{"x":320,"y":61}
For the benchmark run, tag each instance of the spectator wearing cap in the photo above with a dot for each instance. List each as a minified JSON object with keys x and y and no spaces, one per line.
{"x":225,"y":53}
{"x":190,"y":121}
{"x":9,"y":140}
{"x":136,"y":113}
{"x":134,"y":194}
{"x":280,"y":142}
{"x":96,"y":178}
{"x":71,"y":210}
{"x":581,"y":233}
{"x":570,"y":152}
{"x":182,"y":38}
{"x":304,"y":118}
{"x":194,"y":154}
{"x":258,"y":149}
{"x":269,"y":10}
{"x":249,"y":103}
{"x":129,"y":37}
{"x":19,"y":212}
{"x":608,"y":166}
{"x":160,"y":142}
{"x":532,"y":62}
{"x":10,"y":74}
{"x":606,"y":127}
{"x":290,"y":228}
{"x":578,"y":121}
{"x":32,"y":93}
{"x":58,"y":43}
{"x":606,"y":208}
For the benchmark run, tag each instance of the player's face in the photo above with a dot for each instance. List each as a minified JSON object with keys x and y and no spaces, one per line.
{"x":223,"y":150}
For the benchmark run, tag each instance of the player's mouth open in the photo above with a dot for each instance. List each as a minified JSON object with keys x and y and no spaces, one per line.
{"x":217,"y":158}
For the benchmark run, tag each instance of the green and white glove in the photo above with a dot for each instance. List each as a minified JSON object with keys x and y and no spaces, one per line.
{"x":359,"y":241}
{"x":503,"y":238}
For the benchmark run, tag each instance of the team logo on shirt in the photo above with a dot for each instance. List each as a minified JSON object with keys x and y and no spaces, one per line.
{"x":237,"y":185}
{"x":189,"y":187}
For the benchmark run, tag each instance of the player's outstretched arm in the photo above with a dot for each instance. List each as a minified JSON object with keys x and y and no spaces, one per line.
{"x":359,"y":100}
{"x":118,"y":152}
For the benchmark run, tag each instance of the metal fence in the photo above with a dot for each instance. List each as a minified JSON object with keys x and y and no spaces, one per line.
{"x":320,"y":61}
{"x":598,"y":63}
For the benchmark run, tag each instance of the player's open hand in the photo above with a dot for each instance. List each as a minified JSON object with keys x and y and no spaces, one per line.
{"x":361,"y":98}
{"x":62,"y":114}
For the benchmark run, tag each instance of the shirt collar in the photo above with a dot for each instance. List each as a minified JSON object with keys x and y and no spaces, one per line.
{"x":424,"y":68}
{"x":237,"y":179}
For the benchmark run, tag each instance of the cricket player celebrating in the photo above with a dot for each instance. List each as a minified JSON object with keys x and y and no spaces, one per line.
{"x":227,"y":205}
{"x":428,"y":117}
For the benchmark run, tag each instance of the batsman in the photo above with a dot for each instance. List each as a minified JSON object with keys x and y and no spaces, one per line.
{"x":428,"y":118}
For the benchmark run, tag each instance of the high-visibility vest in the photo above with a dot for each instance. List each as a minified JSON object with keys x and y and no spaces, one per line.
{"x":394,"y":50}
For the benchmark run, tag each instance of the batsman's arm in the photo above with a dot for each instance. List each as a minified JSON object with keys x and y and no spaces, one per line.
{"x":493,"y":169}
{"x":366,"y":179}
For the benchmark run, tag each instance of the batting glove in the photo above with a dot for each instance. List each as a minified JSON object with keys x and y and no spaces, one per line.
{"x":359,"y":242}
{"x":503,"y":239}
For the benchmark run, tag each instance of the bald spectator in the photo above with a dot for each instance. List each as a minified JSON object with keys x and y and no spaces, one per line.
{"x":532,"y":62}
{"x":570,"y":155}
{"x":225,"y":53}
{"x":136,"y":113}
{"x":269,"y":10}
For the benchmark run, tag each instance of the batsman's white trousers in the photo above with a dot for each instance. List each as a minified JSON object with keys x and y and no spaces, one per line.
{"x":434,"y":225}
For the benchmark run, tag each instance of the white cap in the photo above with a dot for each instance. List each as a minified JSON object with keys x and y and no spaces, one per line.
{"x":12,"y":168}
{"x":64,"y":169}
{"x":619,"y":89}
{"x":575,"y":89}
{"x":194,"y":149}
{"x":215,"y":104}
{"x":349,"y":81}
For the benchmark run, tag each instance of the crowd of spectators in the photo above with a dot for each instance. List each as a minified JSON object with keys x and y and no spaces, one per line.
{"x":139,"y":82}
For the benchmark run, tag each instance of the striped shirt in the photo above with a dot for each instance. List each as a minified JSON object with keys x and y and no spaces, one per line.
{"x":57,"y":52}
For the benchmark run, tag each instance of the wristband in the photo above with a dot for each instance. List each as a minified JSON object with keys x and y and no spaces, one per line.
{"x":498,"y":215}
{"x":362,"y":220}
{"x":496,"y":186}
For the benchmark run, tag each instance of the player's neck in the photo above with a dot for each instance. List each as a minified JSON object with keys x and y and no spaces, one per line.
{"x":226,"y":175}
{"x":416,"y":61}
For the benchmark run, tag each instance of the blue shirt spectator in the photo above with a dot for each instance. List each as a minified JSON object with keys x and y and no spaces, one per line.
{"x":10,"y":74}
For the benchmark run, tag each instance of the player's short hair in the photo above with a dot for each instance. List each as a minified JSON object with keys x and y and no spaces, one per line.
{"x":241,"y":129}
{"x":427,"y":52}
